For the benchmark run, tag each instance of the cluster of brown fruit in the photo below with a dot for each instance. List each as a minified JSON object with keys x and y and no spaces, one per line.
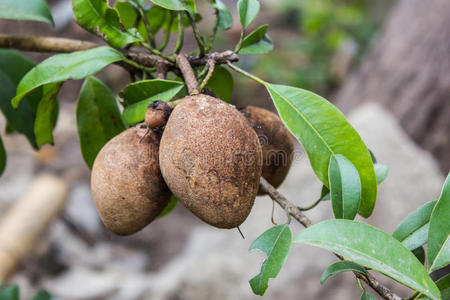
{"x":208,"y":155}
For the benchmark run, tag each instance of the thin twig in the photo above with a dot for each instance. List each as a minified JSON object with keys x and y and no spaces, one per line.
{"x":210,"y":67}
{"x":188,"y":74}
{"x":197,"y":35}
{"x":310,"y":206}
{"x":213,"y":34}
{"x":180,"y":37}
{"x":295,"y":212}
{"x":167,"y":33}
{"x":151,"y":38}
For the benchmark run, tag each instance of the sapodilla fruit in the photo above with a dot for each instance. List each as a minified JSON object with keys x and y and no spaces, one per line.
{"x":276,"y":142}
{"x":127,"y":185}
{"x":211,"y":159}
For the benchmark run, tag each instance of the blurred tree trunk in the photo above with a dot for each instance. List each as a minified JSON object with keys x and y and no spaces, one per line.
{"x":409,"y":72}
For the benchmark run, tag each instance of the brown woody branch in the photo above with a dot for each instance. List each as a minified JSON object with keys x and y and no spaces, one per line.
{"x":63,"y":45}
{"x":298,"y":215}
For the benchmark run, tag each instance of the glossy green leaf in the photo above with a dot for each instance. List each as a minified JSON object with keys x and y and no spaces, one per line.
{"x":169,"y":207}
{"x":345,"y":187}
{"x":225,"y":17}
{"x":248,"y":10}
{"x":367,"y":296}
{"x":127,"y":13}
{"x":275,"y":243}
{"x":381,"y":172}
{"x":257,"y":42}
{"x":323,"y":131}
{"x":188,"y":5}
{"x":443,"y":256}
{"x":221,"y":83}
{"x":420,"y":254}
{"x":61,"y":67}
{"x":444,"y":286}
{"x":32,"y":10}
{"x":46,"y":114}
{"x":372,"y":248}
{"x":325,"y":194}
{"x":97,"y":17}
{"x":439,"y":223}
{"x":98,"y":118}
{"x":13,"y":66}
{"x":2,"y":157}
{"x":138,"y":95}
{"x":413,"y":230}
{"x":339,"y":267}
{"x":9,"y":292}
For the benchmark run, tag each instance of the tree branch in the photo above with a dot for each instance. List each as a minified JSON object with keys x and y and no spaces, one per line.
{"x":298,"y":215}
{"x":188,"y":74}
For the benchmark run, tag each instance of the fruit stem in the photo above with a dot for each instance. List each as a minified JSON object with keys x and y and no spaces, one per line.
{"x":180,"y":37}
{"x":210,"y":65}
{"x":245,"y":73}
{"x":188,"y":74}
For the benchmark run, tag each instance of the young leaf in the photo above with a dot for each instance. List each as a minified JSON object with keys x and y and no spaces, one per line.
{"x":420,"y":254}
{"x":339,"y":267}
{"x":323,"y":131}
{"x":188,"y":5}
{"x":169,"y":207}
{"x":276,"y":243}
{"x":97,"y":17}
{"x":98,"y":118}
{"x":61,"y":67}
{"x":372,"y":248}
{"x":413,"y":230}
{"x":439,"y":223}
{"x":138,"y":95}
{"x":443,"y":256}
{"x":221,"y":83}
{"x":35,"y":10}
{"x":367,"y":296}
{"x":2,"y":157}
{"x":381,"y":172}
{"x":444,"y":286}
{"x":225,"y":17}
{"x":248,"y":10}
{"x":257,"y":42}
{"x":13,"y":66}
{"x":345,"y":187}
{"x":46,"y":114}
{"x":9,"y":293}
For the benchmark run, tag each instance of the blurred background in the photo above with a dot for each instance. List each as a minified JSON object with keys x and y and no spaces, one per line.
{"x":385,"y":63}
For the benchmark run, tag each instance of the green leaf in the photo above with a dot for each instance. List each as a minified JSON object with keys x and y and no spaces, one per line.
{"x":13,"y":66}
{"x":221,"y":83}
{"x":61,"y":67}
{"x":2,"y":157}
{"x":43,"y":295}
{"x":138,"y":95}
{"x":367,"y":296}
{"x":46,"y":114}
{"x":323,"y":131}
{"x":9,"y":293}
{"x":413,"y":230}
{"x":257,"y":42}
{"x":248,"y":10}
{"x":275,"y":243}
{"x":339,"y":267}
{"x":443,"y":256}
{"x":325,"y":194}
{"x":169,"y":207}
{"x":345,"y":187}
{"x":32,"y":10}
{"x":98,"y":118}
{"x":98,"y":18}
{"x":420,"y":254}
{"x":372,"y":248}
{"x":439,"y":223}
{"x":127,"y":13}
{"x":444,"y":286}
{"x":225,"y":17}
{"x":381,"y":172}
{"x":188,"y":5}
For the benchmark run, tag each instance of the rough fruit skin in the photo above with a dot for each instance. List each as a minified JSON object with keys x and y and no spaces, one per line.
{"x":127,"y":185}
{"x":276,"y":141}
{"x":211,"y":160}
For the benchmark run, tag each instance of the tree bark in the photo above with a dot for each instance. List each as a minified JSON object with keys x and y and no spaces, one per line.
{"x":408,"y":71}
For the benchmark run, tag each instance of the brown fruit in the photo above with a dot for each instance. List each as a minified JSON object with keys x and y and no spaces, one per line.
{"x":276,"y":141}
{"x":127,"y":185}
{"x":210,"y":158}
